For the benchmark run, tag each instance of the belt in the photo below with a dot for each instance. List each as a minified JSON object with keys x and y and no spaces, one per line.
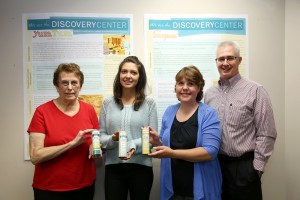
{"x":245,"y":156}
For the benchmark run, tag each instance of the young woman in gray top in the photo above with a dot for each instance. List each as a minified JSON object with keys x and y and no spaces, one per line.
{"x":128,"y":110}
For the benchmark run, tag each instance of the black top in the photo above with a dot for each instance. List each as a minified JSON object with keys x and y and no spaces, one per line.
{"x":183,"y":136}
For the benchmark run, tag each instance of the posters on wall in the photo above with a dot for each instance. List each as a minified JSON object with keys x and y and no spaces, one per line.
{"x":176,"y":41}
{"x":96,"y":42}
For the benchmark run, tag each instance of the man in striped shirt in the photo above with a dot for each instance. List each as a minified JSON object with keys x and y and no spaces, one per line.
{"x":248,"y":126}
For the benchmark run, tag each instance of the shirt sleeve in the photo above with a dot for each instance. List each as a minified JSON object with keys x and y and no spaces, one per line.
{"x":105,"y":138}
{"x":37,"y":123}
{"x":266,"y":131}
{"x":211,"y":133}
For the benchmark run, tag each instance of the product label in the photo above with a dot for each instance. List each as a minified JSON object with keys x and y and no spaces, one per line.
{"x":96,"y":143}
{"x":145,"y":141}
{"x":122,"y":144}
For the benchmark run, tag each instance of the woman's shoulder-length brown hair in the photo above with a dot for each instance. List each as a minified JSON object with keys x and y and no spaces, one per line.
{"x":192,"y":73}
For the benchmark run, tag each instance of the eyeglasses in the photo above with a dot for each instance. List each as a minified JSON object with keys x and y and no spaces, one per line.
{"x":228,"y":58}
{"x":67,"y":83}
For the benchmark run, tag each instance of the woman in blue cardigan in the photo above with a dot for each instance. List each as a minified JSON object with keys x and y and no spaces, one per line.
{"x":188,"y":143}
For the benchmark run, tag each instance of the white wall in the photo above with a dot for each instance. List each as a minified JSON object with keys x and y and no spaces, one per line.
{"x":268,"y":30}
{"x":292,"y":96}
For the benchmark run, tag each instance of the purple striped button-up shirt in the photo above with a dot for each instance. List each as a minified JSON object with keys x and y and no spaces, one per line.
{"x":246,"y":116}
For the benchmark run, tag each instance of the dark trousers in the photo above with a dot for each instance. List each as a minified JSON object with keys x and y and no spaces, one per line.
{"x":240,"y":180}
{"x":121,"y":178}
{"x":86,"y":193}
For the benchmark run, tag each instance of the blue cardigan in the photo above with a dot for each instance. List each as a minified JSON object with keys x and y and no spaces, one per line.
{"x":207,"y":174}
